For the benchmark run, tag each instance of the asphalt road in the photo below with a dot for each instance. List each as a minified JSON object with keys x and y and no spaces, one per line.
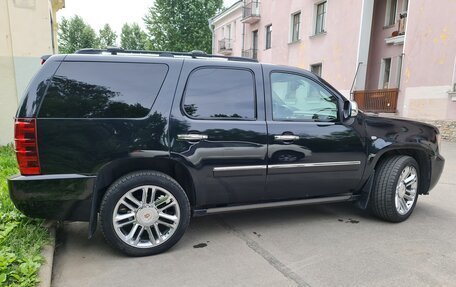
{"x":323,"y":245}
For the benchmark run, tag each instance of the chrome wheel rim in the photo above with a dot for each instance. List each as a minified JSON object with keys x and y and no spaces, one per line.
{"x":406,"y":190}
{"x":146,"y":216}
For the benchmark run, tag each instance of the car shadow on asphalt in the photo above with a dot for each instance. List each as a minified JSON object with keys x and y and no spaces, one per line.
{"x":208,"y":225}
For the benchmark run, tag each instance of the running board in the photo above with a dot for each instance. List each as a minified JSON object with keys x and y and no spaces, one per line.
{"x":200,"y":212}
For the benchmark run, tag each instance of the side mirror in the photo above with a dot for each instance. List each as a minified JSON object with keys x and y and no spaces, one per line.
{"x":350,"y":109}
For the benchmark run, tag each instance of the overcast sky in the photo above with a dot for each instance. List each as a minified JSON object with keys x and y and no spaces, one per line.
{"x":113,"y":12}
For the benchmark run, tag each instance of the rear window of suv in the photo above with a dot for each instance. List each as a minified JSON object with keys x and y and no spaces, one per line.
{"x":220,"y":94}
{"x":103,"y":90}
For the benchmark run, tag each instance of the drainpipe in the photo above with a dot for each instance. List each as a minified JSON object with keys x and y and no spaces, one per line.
{"x":354,"y":80}
{"x":11,"y":39}
{"x":243,"y":36}
{"x":211,"y":27}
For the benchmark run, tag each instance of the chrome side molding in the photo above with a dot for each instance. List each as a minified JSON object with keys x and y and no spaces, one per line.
{"x":315,"y":164}
{"x":244,"y":170}
{"x":244,"y":167}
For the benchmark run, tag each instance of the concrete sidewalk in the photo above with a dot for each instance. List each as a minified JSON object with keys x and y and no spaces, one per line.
{"x":324,"y":245}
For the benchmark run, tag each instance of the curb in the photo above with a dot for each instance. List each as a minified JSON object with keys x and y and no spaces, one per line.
{"x":45,"y":272}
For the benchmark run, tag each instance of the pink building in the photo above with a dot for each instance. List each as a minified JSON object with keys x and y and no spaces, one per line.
{"x":394,"y":56}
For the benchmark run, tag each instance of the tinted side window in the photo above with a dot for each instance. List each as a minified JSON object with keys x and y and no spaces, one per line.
{"x":296,"y":98}
{"x":103,"y":90}
{"x":219,"y":93}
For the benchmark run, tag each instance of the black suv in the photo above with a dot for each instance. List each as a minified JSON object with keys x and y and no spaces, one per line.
{"x":144,"y":140}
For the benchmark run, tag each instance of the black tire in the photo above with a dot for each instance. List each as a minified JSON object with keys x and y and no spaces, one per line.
{"x":382,"y":200}
{"x":122,"y":186}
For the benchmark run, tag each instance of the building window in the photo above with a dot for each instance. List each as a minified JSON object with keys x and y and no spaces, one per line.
{"x":316,"y":69}
{"x":405,"y":6}
{"x":295,"y":23}
{"x":268,"y":36}
{"x":255,"y":44}
{"x":228,"y":32}
{"x":390,"y":16}
{"x":320,"y":23}
{"x":385,"y":73}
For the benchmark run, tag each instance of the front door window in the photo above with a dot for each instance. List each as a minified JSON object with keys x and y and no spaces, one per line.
{"x":297,"y":98}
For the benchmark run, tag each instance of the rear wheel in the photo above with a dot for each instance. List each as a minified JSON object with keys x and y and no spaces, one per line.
{"x":395,"y":189}
{"x":144,"y":213}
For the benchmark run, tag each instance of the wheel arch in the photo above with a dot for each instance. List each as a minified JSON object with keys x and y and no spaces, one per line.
{"x":115,"y":169}
{"x":421,"y":156}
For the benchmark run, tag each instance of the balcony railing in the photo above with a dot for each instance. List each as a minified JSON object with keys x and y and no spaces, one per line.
{"x":250,"y":53}
{"x":377,"y":101}
{"x":398,"y":36}
{"x":251,"y":12}
{"x":225,"y":46}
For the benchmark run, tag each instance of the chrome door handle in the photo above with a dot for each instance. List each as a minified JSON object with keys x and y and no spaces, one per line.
{"x":191,"y":137}
{"x":286,"y":137}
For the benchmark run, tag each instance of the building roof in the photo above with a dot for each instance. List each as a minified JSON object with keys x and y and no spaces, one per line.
{"x":237,"y":5}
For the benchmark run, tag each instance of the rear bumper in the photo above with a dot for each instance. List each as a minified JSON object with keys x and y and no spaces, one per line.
{"x":437,"y":165}
{"x":58,"y":196}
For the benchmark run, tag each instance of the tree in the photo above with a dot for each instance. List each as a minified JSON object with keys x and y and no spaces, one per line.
{"x":133,"y":37}
{"x":107,"y":36}
{"x":181,"y":25}
{"x":75,"y":34}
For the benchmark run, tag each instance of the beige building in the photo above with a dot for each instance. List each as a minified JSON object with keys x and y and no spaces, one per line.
{"x":28,"y":30}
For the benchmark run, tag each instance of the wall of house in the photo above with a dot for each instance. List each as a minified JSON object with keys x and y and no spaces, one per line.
{"x":429,"y":60}
{"x":379,"y":49}
{"x":234,"y":19}
{"x":336,"y":49}
{"x":25,"y":30}
{"x":428,"y":70}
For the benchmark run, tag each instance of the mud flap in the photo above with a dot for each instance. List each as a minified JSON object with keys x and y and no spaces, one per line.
{"x":363,"y":201}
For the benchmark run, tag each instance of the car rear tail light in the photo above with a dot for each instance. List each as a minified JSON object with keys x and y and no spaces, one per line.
{"x":26,"y":144}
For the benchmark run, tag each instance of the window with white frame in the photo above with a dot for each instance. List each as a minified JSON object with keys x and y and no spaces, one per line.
{"x":228,"y":32}
{"x":385,"y":74}
{"x":391,"y":9}
{"x":316,"y":69}
{"x":320,"y":18}
{"x":268,"y":36}
{"x":295,"y":25}
{"x":405,"y":6}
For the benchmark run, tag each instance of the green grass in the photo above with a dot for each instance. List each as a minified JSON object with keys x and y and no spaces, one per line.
{"x":21,"y":238}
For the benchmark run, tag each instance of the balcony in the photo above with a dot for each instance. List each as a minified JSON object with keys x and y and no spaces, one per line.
{"x":377,"y":101}
{"x":251,"y":12}
{"x":398,"y":36}
{"x":225,"y":46}
{"x":250,"y":53}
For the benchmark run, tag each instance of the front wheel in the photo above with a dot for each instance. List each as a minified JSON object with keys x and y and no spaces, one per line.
{"x":395,"y":189}
{"x":144,"y":213}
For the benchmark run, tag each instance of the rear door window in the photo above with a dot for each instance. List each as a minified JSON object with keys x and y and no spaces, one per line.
{"x":220,"y":94}
{"x":103,"y":90}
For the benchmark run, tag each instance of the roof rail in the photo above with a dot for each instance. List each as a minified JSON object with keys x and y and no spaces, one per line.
{"x":194,"y":54}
